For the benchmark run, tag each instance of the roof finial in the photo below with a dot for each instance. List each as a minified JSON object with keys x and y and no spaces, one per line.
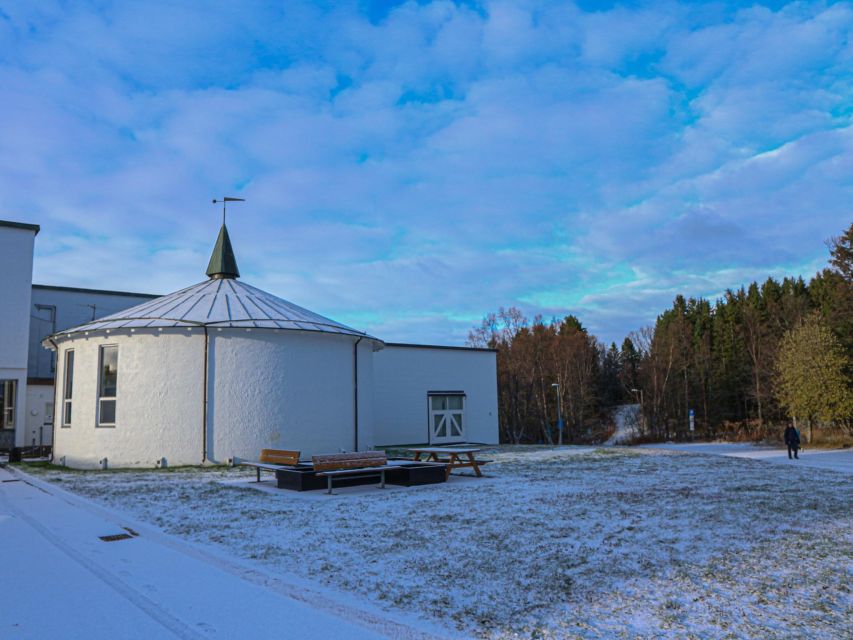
{"x":222,"y":263}
{"x":225,"y":202}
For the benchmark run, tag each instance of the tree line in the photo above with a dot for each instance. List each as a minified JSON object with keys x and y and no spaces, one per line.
{"x":755,"y":358}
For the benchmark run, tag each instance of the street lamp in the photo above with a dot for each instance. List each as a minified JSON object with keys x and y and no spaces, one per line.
{"x":559,"y":416}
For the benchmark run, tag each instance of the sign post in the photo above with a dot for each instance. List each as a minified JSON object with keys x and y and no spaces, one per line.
{"x":692,"y":423}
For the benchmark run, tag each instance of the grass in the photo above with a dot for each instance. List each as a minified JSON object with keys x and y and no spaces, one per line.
{"x":554,"y":543}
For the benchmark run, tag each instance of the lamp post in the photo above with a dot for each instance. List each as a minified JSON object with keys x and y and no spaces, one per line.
{"x":559,"y":416}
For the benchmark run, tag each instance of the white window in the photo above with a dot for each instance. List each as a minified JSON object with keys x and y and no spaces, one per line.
{"x":68,"y":388}
{"x":446,"y":417}
{"x":8,"y":391}
{"x":107,"y":386}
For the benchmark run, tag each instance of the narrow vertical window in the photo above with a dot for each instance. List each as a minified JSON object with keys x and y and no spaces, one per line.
{"x":107,"y":386}
{"x":68,"y":388}
{"x":8,"y":390}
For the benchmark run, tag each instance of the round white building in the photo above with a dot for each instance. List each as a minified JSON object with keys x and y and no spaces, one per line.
{"x":215,"y":371}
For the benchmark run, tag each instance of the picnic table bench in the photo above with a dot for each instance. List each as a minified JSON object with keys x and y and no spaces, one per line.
{"x":452,"y":459}
{"x":273,"y":460}
{"x":352,"y":465}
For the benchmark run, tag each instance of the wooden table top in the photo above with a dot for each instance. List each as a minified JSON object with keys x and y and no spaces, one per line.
{"x":444,"y":450}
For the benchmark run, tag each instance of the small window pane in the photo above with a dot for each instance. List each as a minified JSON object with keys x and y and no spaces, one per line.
{"x":109,"y":371}
{"x":454,"y":402}
{"x":66,"y":416}
{"x":108,"y":412}
{"x":69,"y":374}
{"x":439,"y":403}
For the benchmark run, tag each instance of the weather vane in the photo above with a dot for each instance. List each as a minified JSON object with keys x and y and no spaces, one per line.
{"x":225,"y":202}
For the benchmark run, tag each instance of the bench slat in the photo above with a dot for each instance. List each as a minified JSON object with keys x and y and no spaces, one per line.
{"x":349,"y":472}
{"x":333,"y":461}
{"x":279,"y":456}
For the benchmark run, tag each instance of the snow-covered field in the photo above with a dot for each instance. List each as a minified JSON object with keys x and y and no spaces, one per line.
{"x":586,"y":543}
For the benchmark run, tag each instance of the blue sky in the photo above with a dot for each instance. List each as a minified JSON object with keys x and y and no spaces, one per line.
{"x":410,"y":167}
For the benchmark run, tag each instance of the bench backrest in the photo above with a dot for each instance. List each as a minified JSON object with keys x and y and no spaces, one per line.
{"x":279,"y":456}
{"x":332,"y":461}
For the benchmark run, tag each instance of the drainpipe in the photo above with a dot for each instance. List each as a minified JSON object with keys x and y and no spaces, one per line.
{"x":355,"y":389}
{"x":204,"y":400}
{"x":57,"y":408}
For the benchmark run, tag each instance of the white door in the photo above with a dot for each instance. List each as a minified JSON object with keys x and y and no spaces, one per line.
{"x":446,"y":419}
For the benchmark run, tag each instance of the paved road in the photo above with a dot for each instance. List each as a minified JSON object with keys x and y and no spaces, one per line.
{"x":840,"y":460}
{"x":62,"y":581}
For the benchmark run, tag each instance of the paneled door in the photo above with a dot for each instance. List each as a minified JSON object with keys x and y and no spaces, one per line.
{"x":446,"y":418}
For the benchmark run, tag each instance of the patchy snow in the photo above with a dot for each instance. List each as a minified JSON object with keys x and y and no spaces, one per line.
{"x":840,"y":460}
{"x":554,"y":543}
{"x":627,"y":420}
{"x":150,"y":585}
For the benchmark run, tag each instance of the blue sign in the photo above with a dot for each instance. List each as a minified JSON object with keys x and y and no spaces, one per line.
{"x":691,"y":413}
{"x":560,"y":423}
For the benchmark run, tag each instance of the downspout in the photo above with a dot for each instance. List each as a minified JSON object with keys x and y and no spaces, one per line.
{"x":57,"y":408}
{"x":355,"y":389}
{"x":204,"y":400}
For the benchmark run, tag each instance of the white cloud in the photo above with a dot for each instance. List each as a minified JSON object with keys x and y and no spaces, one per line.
{"x":419,"y":171}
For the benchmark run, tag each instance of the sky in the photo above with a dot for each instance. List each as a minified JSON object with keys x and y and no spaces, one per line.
{"x":409,"y":167}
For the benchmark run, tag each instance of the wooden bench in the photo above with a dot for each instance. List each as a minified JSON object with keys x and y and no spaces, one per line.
{"x":273,"y":460}
{"x":351,"y":465}
{"x":452,"y":457}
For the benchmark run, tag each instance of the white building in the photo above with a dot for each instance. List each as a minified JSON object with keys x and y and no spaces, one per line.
{"x":16,"y":265}
{"x":222,"y":369}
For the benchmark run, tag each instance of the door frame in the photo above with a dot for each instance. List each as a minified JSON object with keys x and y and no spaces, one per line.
{"x":448,"y":439}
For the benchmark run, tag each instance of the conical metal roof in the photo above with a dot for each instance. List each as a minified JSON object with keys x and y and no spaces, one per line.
{"x":223,"y":263}
{"x":219,"y":302}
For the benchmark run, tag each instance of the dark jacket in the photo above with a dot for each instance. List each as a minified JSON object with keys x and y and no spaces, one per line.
{"x":792,"y":437}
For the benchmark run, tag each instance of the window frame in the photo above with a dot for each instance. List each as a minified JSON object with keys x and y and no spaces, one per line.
{"x":10,"y":403}
{"x":67,"y":389}
{"x":102,"y":398}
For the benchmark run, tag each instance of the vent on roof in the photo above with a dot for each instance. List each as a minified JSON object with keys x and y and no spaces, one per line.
{"x":116,"y":537}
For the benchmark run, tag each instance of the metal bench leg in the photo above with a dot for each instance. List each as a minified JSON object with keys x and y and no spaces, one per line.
{"x":329,"y":483}
{"x":382,"y":479}
{"x":258,"y":469}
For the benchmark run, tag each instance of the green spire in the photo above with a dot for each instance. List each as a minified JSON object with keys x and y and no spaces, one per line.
{"x":223,"y":264}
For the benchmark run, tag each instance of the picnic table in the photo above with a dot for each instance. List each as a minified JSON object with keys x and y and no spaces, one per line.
{"x":453,"y":459}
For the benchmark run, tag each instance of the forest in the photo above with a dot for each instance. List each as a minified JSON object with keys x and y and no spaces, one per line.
{"x":746,"y":364}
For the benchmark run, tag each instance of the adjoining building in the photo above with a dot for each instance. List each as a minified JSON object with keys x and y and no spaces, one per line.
{"x":222,"y":369}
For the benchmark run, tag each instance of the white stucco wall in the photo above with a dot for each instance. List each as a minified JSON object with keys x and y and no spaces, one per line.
{"x":267,"y":389}
{"x":159,"y":400}
{"x":403,"y":377}
{"x":16,"y":267}
{"x":286,"y":390}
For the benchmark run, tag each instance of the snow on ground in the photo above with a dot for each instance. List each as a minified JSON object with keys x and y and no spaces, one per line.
{"x":65,"y":582}
{"x":555,"y":543}
{"x":627,"y":420}
{"x":840,"y":460}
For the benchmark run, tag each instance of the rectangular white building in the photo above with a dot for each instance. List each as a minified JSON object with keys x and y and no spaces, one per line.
{"x":436,"y":395}
{"x":16,"y":264}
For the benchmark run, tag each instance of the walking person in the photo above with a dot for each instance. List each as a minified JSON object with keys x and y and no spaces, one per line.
{"x":792,"y":439}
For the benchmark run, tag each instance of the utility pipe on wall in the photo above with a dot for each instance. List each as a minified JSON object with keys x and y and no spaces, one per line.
{"x":355,"y":389}
{"x":57,"y":408}
{"x":204,"y":400}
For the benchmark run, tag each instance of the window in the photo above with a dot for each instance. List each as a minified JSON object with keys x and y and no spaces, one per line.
{"x":8,"y":391}
{"x":107,"y":385}
{"x":446,"y":417}
{"x":68,"y":388}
